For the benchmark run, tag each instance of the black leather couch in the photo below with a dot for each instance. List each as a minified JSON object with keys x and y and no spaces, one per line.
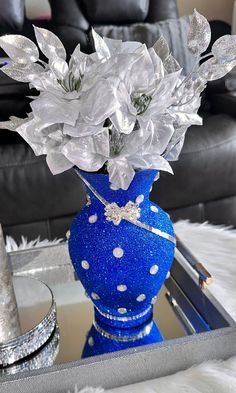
{"x":33,"y":202}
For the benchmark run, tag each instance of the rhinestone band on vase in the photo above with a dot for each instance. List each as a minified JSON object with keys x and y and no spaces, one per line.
{"x":124,"y":319}
{"x":138,"y":336}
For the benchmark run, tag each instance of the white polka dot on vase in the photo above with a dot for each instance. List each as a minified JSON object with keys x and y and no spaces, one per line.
{"x":154,"y":299}
{"x":92,"y":219}
{"x":141,"y":297}
{"x":153,"y":269}
{"x":91,"y":341}
{"x":122,"y":310}
{"x":121,"y":287}
{"x":154,"y":209}
{"x":118,"y":252}
{"x":85,"y":265}
{"x":95,"y":296}
{"x":168,"y":275}
{"x":139,"y":199}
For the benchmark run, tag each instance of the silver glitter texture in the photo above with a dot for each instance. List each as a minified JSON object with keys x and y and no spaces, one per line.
{"x":24,"y":345}
{"x":9,"y":320}
{"x":199,"y":35}
{"x":20,"y":49}
{"x":224,"y":48}
{"x":49,"y":44}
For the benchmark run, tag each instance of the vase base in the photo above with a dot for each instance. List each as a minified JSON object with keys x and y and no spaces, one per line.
{"x":104,"y":339}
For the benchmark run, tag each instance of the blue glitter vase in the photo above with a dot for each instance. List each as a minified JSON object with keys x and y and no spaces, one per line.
{"x":122,"y":267}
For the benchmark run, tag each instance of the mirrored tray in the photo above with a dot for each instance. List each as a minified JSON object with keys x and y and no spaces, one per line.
{"x":195,"y":327}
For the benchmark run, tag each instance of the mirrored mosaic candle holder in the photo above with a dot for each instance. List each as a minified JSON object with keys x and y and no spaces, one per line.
{"x":36,"y":327}
{"x":122,"y":267}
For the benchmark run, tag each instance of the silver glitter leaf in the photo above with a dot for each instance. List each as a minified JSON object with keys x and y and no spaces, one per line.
{"x":49,"y":44}
{"x":211,"y":70}
{"x":171,"y":64}
{"x":13,"y":123}
{"x":20,"y":49}
{"x":22,"y":72}
{"x":161,"y":48}
{"x":224,"y":49}
{"x":199,"y":35}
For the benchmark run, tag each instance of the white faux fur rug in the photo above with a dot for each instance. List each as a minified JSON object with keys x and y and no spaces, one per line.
{"x":215,"y":247}
{"x":12,"y":245}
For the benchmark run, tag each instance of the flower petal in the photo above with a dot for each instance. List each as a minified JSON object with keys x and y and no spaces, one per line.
{"x":99,"y":102}
{"x":121,"y":173}
{"x":100,"y":46}
{"x":58,"y":163}
{"x":52,"y":109}
{"x":88,"y":153}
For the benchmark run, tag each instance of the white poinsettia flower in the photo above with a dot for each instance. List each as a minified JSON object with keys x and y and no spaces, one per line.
{"x":124,"y":107}
{"x":88,"y":153}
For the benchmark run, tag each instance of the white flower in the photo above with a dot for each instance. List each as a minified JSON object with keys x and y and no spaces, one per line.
{"x":124,"y":107}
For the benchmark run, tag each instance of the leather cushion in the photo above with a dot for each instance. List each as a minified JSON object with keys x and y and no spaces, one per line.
{"x":206,"y":169}
{"x":67,"y":13}
{"x":117,"y":12}
{"x":162,"y":9}
{"x":11,"y":15}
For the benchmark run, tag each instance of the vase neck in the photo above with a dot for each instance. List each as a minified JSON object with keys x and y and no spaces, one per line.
{"x":139,"y":187}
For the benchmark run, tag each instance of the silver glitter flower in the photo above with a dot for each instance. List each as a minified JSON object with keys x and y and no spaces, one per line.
{"x":124,"y":107}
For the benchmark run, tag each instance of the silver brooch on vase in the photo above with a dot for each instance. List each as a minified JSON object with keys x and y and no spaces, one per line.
{"x":129,"y":212}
